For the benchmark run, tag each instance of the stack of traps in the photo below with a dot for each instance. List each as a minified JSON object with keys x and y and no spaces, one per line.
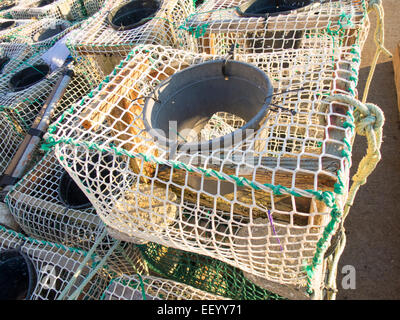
{"x":110,"y":34}
{"x":257,"y":26}
{"x":26,"y":82}
{"x":71,"y":10}
{"x":176,"y":190}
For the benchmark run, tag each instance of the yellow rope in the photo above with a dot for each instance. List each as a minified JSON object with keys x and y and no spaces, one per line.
{"x":379,"y":38}
{"x":369,"y":120}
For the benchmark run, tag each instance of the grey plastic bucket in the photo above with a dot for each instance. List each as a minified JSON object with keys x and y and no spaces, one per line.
{"x":17,"y":275}
{"x":191,"y":97}
{"x":133,"y":14}
{"x":28,"y":77}
{"x":48,"y":33}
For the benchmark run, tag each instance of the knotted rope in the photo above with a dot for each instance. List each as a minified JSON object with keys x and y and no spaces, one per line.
{"x":379,"y":38}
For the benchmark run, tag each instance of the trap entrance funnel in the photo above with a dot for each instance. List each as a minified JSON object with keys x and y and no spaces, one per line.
{"x":133,"y":14}
{"x":28,"y":77}
{"x":45,"y":3}
{"x":17,"y":275}
{"x":185,"y":102}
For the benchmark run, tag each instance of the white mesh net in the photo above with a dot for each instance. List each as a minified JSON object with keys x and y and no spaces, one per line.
{"x":12,"y":55}
{"x":8,"y":27}
{"x":10,"y":140}
{"x":6,"y":7}
{"x":152,"y":288}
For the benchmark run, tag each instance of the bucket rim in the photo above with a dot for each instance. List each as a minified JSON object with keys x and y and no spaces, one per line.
{"x":207,"y":145}
{"x":137,"y":24}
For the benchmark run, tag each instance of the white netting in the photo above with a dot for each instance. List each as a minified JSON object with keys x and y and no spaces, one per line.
{"x":152,"y":288}
{"x":115,"y":30}
{"x":72,"y":10}
{"x":251,"y":204}
{"x":51,"y":268}
{"x":49,"y":206}
{"x":265,"y":26}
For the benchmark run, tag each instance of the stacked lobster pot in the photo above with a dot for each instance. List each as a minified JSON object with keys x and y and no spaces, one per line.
{"x":261,"y":26}
{"x":220,"y":157}
{"x":120,"y":25}
{"x":71,"y":10}
{"x":138,"y":287}
{"x":38,"y":270}
{"x":48,"y":205}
